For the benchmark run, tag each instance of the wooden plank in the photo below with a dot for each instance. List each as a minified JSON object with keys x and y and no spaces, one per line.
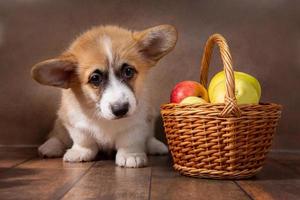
{"x":8,"y":163}
{"x":53,"y":179}
{"x":275,"y":181}
{"x":107,"y":181}
{"x":54,"y":163}
{"x":168,"y":184}
{"x":40,"y":179}
{"x":11,"y":156}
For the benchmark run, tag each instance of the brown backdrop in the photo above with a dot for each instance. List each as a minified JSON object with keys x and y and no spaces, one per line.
{"x":264,"y":37}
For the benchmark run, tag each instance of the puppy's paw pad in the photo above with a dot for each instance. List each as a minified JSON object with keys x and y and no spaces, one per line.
{"x":79,"y":155}
{"x":132,"y":160}
{"x":52,"y":148}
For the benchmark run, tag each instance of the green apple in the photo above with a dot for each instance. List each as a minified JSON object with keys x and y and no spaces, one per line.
{"x":192,"y":100}
{"x":247,"y":88}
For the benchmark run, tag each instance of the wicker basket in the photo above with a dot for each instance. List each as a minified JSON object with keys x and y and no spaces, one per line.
{"x":221,"y":141}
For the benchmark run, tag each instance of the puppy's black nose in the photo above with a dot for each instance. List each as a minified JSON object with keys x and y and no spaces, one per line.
{"x":119,"y":109}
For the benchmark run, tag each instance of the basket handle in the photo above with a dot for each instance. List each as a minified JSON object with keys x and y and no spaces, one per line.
{"x":231,"y":108}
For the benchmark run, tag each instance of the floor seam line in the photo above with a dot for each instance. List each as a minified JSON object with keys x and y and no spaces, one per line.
{"x":150,"y":184}
{"x":17,"y":164}
{"x":244,"y":191}
{"x":75,"y":182}
{"x":24,"y":161}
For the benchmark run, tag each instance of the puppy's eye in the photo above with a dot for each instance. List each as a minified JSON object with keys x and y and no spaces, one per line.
{"x":96,"y":78}
{"x":127,"y":71}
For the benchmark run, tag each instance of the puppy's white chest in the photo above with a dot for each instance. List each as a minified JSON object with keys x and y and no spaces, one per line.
{"x":102,"y":135}
{"x":107,"y":132}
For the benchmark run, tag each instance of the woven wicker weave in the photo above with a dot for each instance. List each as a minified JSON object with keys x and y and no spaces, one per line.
{"x":222,"y":141}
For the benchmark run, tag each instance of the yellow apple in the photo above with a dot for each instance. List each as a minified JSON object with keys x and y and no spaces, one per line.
{"x":192,"y":100}
{"x":247,"y":88}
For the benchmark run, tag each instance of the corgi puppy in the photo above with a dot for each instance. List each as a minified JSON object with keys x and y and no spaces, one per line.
{"x":104,"y":104}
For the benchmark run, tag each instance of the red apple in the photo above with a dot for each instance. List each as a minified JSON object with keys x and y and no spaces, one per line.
{"x":188,"y":88}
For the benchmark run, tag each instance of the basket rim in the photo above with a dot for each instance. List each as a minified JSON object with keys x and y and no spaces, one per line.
{"x":197,"y":105}
{"x":201,"y":110}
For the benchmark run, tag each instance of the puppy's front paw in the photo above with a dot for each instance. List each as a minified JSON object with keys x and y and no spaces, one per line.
{"x":79,"y":154}
{"x":52,"y":148}
{"x":134,"y":160}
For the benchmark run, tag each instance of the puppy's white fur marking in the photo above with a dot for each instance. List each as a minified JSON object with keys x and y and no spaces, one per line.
{"x":78,"y":153}
{"x":107,"y":46}
{"x":116,"y":92}
{"x":127,"y":159}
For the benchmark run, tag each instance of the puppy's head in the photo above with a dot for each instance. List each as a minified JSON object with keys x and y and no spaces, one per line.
{"x":106,"y":66}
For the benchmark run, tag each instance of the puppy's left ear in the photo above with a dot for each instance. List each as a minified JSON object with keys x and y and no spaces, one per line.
{"x":156,"y":42}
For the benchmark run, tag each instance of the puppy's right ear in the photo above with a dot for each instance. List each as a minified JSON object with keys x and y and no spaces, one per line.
{"x":156,"y":42}
{"x":55,"y":72}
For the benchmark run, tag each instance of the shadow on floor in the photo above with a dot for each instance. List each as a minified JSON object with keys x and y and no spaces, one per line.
{"x":14,"y":177}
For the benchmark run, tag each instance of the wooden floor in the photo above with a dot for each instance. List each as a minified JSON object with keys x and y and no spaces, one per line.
{"x":25,"y":176}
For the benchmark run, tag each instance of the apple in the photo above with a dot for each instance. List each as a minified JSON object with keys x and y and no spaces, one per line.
{"x":188,"y":88}
{"x":238,"y":75}
{"x":192,"y":100}
{"x":247,"y":88}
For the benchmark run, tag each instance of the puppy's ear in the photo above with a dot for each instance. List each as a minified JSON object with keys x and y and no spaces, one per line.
{"x":157,"y":41}
{"x":55,"y":72}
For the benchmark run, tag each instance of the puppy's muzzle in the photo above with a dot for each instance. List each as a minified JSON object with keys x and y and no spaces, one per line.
{"x":120,"y":109}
